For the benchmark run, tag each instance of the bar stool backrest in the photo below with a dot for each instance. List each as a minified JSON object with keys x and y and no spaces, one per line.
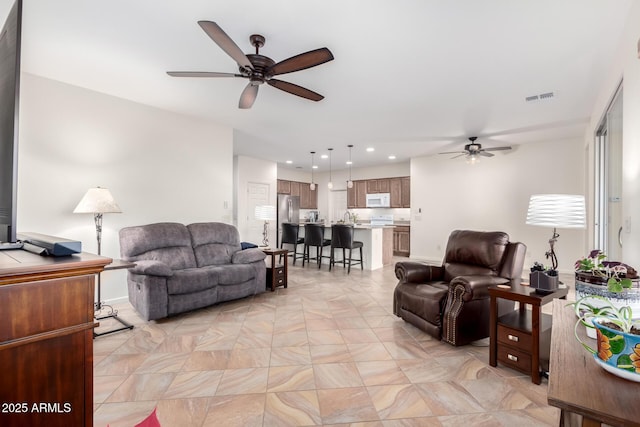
{"x":290,"y":232}
{"x":313,"y":234}
{"x":342,"y":235}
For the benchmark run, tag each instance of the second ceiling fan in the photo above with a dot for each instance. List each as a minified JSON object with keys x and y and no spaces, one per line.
{"x":259,"y":69}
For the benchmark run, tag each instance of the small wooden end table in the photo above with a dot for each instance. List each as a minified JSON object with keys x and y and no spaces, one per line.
{"x":276,"y":272}
{"x":515,"y":336}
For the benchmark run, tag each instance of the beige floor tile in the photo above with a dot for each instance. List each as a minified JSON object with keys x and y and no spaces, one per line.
{"x":215,"y":360}
{"x":336,"y":375}
{"x":288,"y":378}
{"x":243,"y":381}
{"x":346,"y":405}
{"x":140,"y":387}
{"x":330,"y":353}
{"x":399,"y":401}
{"x":123,"y":414}
{"x":182,"y":412}
{"x":326,"y":337}
{"x":236,"y":411}
{"x":193,"y":384}
{"x":283,"y":356}
{"x":368,"y":352}
{"x":381,"y":373}
{"x":292,"y":408}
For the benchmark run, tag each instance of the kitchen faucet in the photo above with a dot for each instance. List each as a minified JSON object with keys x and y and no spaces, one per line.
{"x":348,"y":215}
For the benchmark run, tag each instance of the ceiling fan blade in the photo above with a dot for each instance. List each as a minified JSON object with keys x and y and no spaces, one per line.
{"x":301,"y":62}
{"x":248,"y":96}
{"x":483,"y":153}
{"x":454,"y":152}
{"x":455,"y":157}
{"x":224,"y":41}
{"x":496,"y":149}
{"x":201,"y":74}
{"x":295,"y":89}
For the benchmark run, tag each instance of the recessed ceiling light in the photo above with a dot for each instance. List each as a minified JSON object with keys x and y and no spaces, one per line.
{"x":370,"y":149}
{"x":324,"y":156}
{"x":349,"y":162}
{"x":289,"y":162}
{"x":392,"y":157}
{"x":315,"y":166}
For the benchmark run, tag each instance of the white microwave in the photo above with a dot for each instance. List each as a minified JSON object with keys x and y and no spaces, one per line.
{"x":379,"y":200}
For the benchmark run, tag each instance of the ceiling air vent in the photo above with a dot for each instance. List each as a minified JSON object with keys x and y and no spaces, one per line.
{"x":540,"y":97}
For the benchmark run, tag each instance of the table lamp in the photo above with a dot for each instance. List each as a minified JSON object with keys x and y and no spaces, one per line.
{"x":556,"y":211}
{"x":265,"y":213}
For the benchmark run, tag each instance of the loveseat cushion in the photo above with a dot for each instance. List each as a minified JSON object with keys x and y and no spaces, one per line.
{"x":248,"y":256}
{"x":192,"y":280}
{"x":167,"y":242}
{"x":233,"y":274}
{"x":152,"y":268}
{"x":214,"y":243}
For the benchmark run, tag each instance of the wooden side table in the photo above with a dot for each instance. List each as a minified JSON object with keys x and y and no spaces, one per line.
{"x":515,"y":336}
{"x":276,"y":272}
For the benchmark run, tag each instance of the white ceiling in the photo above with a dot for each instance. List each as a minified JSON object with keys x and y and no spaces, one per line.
{"x":410,"y":77}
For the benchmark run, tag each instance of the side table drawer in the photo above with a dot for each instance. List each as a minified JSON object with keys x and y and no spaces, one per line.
{"x":278,"y":271}
{"x":514,"y":358}
{"x":514,"y":338}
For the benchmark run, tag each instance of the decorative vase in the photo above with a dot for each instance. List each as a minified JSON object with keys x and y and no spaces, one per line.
{"x":588,"y":285}
{"x":618,"y":352}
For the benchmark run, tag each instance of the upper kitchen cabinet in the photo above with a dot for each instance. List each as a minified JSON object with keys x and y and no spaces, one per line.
{"x":357,"y":195}
{"x":382,"y":185}
{"x":284,"y":187}
{"x":308,"y":198}
{"x":406,"y":192}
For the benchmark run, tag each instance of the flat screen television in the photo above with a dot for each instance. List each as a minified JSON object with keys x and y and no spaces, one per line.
{"x":9,"y":108}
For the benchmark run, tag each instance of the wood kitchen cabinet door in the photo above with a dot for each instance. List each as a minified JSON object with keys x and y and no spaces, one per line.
{"x":401,"y":241}
{"x":295,"y":188}
{"x":406,"y":192}
{"x":308,"y":198}
{"x":361,"y":193}
{"x":396,"y":192}
{"x":284,"y":186}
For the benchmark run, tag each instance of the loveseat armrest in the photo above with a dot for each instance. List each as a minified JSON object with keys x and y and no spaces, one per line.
{"x":248,"y":256}
{"x":152,"y":268}
{"x":417,"y":272}
{"x":476,"y":287}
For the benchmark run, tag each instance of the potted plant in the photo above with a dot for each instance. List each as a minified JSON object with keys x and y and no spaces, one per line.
{"x":544,"y":280}
{"x":618,"y":336}
{"x":612,"y":280}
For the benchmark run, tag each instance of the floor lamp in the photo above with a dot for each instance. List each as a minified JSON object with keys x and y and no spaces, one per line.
{"x":556,"y":211}
{"x":266,"y":213}
{"x":99,"y":201}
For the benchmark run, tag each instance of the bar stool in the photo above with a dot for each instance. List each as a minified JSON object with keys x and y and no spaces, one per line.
{"x":290,"y":236}
{"x":342,"y":237}
{"x":314,"y":236}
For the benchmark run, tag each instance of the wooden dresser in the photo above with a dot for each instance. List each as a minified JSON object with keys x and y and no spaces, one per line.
{"x":46,"y":338}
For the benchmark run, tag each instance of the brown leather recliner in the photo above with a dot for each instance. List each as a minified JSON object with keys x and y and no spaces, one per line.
{"x":451,"y":301}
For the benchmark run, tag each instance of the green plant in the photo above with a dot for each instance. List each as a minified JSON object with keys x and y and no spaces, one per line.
{"x":621,"y":317}
{"x":618,"y":275}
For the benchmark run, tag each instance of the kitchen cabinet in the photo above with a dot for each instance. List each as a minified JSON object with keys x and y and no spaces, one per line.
{"x":308,"y":198}
{"x":284,"y":187}
{"x":295,"y":189}
{"x":357,"y":195}
{"x":401,"y":240}
{"x":396,"y":192}
{"x":406,"y":191}
{"x":378,"y":185}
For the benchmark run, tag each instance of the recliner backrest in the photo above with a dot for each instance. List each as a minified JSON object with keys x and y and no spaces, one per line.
{"x":214,"y":243}
{"x":474,"y":253}
{"x":167,"y":242}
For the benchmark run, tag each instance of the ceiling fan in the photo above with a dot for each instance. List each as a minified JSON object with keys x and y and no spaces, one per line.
{"x":258,"y":68}
{"x":473,"y":150}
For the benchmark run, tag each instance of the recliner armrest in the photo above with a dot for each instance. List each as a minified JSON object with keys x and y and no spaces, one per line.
{"x":476,"y":287}
{"x":416,"y":272}
{"x":248,"y":256}
{"x":152,"y":268}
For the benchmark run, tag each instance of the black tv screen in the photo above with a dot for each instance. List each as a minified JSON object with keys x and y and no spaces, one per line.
{"x":9,"y":103}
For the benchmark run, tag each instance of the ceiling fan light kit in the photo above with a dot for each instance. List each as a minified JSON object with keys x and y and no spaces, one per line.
{"x":474,"y":150}
{"x":259,"y":69}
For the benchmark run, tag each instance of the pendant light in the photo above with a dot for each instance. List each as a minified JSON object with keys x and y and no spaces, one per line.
{"x":330,"y":184}
{"x":312,"y":186}
{"x":349,"y":183}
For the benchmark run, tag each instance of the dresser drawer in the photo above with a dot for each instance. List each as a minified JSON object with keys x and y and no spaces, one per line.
{"x":514,"y":338}
{"x":514,"y":358}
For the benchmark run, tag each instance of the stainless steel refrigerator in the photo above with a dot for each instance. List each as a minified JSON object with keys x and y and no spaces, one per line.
{"x":288,"y":211}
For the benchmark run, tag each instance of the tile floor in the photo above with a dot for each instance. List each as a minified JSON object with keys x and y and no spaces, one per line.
{"x":326,"y":351}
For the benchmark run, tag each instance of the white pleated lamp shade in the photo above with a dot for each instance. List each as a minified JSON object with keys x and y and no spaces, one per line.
{"x":557,"y":211}
{"x":97,"y":200}
{"x":265,"y":212}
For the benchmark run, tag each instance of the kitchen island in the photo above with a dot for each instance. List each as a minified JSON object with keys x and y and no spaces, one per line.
{"x":377,"y":245}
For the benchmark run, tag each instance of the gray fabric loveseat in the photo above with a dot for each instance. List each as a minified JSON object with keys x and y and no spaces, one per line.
{"x":181,"y":268}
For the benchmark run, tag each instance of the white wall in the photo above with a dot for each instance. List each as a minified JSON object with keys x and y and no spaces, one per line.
{"x":493,"y":195}
{"x":158,"y":165}
{"x":251,"y":170}
{"x":625,"y":68}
